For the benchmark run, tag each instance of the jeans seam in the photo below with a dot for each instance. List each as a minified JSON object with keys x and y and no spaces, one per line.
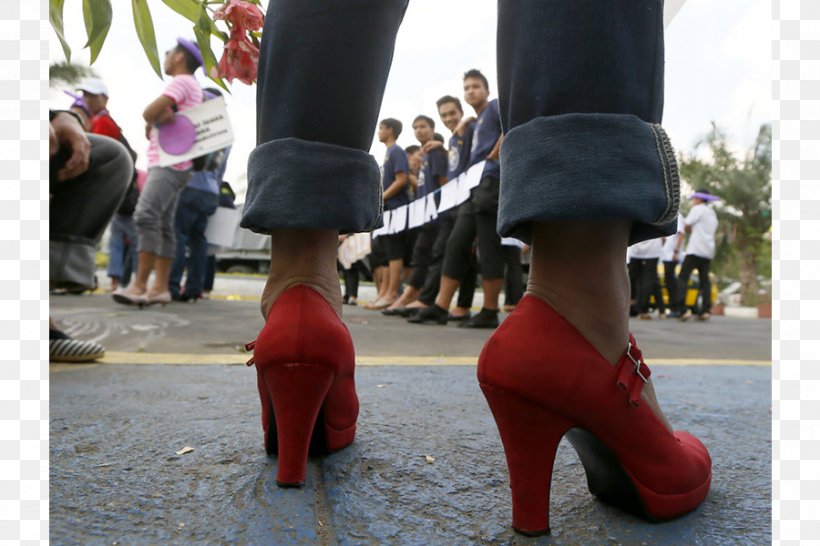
{"x":671,"y":175}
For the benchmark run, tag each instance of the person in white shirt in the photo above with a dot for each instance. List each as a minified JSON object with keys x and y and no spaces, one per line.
{"x":701,"y":224}
{"x":643,"y":264}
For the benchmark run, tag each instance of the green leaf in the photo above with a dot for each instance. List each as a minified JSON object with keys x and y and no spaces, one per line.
{"x":97,"y":16}
{"x":203,"y":40}
{"x":55,"y":17}
{"x":144,"y":26}
{"x":191,"y":10}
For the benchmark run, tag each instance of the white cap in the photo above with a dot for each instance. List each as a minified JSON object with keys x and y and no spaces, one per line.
{"x":94,"y":86}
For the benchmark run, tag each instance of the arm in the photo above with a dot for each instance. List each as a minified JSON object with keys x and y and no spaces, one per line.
{"x":160,"y":111}
{"x":431,"y":145}
{"x":494,"y":153}
{"x":414,"y":181}
{"x":398,"y":184}
{"x":462,"y":126}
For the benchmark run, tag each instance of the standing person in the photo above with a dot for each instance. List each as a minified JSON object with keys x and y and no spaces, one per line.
{"x":197,"y":202}
{"x":587,"y":171}
{"x":432,"y":175}
{"x":451,"y":114}
{"x":643,"y":260}
{"x":226,"y":200}
{"x":476,"y":218}
{"x":701,"y":224}
{"x":156,"y":208}
{"x":394,"y":183}
{"x":671,"y":258}
{"x":514,"y":273}
{"x":95,"y":94}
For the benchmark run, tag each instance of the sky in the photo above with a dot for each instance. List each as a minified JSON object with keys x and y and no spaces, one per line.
{"x":718,"y":59}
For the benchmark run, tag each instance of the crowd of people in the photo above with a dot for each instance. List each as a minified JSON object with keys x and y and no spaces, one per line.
{"x":157,"y":218}
{"x":445,"y":256}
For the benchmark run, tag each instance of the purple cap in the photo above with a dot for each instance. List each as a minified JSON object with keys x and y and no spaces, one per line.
{"x":79,"y":102}
{"x":192,"y":48}
{"x":703,"y":196}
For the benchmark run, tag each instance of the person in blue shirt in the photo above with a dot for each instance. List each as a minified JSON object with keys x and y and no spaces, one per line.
{"x":394,"y":186}
{"x":432,"y":175}
{"x":476,"y":218}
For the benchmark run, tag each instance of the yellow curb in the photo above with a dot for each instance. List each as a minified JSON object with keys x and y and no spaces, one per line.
{"x":112,"y":357}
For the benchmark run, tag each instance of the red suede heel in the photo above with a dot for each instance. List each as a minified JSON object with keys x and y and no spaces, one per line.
{"x":305,"y":366}
{"x":542,"y":379}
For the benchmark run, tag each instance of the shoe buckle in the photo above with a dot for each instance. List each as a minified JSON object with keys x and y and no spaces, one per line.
{"x":636,"y":361}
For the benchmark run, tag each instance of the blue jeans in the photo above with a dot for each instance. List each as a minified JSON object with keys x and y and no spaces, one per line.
{"x":580,"y":92}
{"x":195,"y":206}
{"x":122,"y":248}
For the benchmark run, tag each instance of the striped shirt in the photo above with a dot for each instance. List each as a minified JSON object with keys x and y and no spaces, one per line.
{"x":186,"y":93}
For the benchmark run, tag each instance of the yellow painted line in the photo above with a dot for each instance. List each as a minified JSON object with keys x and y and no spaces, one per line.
{"x":112,"y":357}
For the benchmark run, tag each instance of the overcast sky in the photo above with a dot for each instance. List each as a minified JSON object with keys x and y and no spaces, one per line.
{"x":717,"y":69}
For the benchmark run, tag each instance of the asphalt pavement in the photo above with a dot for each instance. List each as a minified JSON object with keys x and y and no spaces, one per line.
{"x":427,"y":466}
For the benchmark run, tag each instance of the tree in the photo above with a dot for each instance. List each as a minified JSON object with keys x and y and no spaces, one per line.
{"x":66,"y":73}
{"x":745,"y":211}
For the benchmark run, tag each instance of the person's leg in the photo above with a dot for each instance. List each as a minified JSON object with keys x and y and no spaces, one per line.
{"x":491,"y":259}
{"x":457,"y":254}
{"x":645,"y":282}
{"x":421,"y":260}
{"x":689,"y":263}
{"x":466,"y":289}
{"x":130,"y":251}
{"x":167,"y":244}
{"x":81,"y":209}
{"x":660,"y":306}
{"x":116,"y":251}
{"x":210,"y":274}
{"x":309,"y":155}
{"x":671,"y":284}
{"x":705,"y":285}
{"x":206,"y":204}
{"x":183,"y":223}
{"x":429,"y":291}
{"x":513,"y":278}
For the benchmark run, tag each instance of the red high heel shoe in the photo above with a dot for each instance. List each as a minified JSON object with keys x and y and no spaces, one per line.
{"x":304,"y":364}
{"x":542,"y":379}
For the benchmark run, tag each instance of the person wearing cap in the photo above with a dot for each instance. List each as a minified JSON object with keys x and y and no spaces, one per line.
{"x":95,"y":95}
{"x":700,"y":224}
{"x":157,"y":205}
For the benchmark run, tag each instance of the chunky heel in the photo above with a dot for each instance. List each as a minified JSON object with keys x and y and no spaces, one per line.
{"x":297,"y":392}
{"x":530,"y":435}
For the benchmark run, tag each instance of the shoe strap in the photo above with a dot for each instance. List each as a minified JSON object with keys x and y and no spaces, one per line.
{"x":249,"y":347}
{"x":633,"y":372}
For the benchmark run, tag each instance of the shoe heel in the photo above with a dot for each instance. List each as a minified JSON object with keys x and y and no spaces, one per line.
{"x":530,"y":435}
{"x":297,"y":392}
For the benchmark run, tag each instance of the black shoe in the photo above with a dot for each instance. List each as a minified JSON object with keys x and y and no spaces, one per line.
{"x":408,"y":312}
{"x":434,"y":313}
{"x":179,"y":297}
{"x":486,"y":318}
{"x":396,"y":312}
{"x":453,"y":318}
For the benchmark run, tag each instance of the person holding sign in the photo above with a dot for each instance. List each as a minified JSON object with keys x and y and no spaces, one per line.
{"x":586,"y":170}
{"x":157,"y":204}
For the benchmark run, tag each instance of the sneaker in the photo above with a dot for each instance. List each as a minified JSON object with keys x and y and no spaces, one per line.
{"x":486,"y":318}
{"x":434,"y":313}
{"x":62,"y":348}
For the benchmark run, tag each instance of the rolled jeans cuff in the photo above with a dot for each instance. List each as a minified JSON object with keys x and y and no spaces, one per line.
{"x":588,"y":167}
{"x":295,"y":183}
{"x":72,"y":262}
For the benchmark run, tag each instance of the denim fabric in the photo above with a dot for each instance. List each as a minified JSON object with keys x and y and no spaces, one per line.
{"x":193,"y":210}
{"x":581,"y":92}
{"x":323,"y":67}
{"x":122,"y":246}
{"x":598,"y":66}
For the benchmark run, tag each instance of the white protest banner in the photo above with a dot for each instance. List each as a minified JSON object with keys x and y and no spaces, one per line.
{"x":464,"y":188}
{"x":398,"y":220}
{"x":213,"y":131}
{"x":473,"y":176}
{"x":416,"y":216}
{"x":670,"y":9}
{"x":383,"y":230}
{"x":431,"y":211}
{"x":449,"y":192}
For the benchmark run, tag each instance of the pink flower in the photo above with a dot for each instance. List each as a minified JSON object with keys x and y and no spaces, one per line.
{"x":239,"y":60}
{"x":242,"y":16}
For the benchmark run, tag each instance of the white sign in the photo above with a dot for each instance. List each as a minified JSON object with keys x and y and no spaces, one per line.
{"x":213,"y":131}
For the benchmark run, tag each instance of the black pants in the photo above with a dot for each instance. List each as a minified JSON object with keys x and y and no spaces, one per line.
{"x":690,"y":263}
{"x":423,"y":253}
{"x":671,"y":282}
{"x":513,"y":279}
{"x":352,"y":279}
{"x":466,"y":291}
{"x":475,"y":220}
{"x":647,"y":283}
{"x":82,"y":207}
